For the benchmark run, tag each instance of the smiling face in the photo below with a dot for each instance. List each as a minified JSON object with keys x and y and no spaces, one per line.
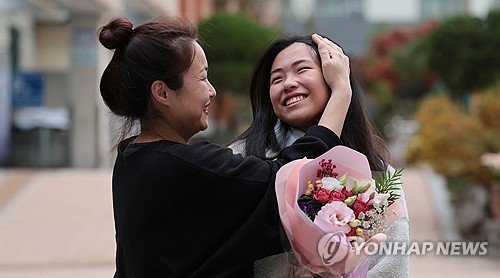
{"x":298,"y":90}
{"x":194,"y":97}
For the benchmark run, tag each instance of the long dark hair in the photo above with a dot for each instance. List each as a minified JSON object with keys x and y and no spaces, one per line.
{"x":358,"y":133}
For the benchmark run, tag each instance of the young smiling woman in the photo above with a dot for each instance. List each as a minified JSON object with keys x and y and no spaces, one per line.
{"x":289,"y":90}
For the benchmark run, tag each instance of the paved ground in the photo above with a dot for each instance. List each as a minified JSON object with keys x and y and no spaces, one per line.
{"x":425,"y":225}
{"x":58,"y":224}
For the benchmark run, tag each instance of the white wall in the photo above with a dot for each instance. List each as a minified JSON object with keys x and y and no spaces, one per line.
{"x":53,"y":47}
{"x":397,"y":11}
{"x":408,"y":11}
{"x":480,"y":8}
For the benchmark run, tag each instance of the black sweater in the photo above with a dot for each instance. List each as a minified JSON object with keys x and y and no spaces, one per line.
{"x":198,"y":210}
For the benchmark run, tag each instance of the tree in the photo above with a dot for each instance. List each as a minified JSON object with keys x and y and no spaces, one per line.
{"x":233,"y":43}
{"x":463,"y":52}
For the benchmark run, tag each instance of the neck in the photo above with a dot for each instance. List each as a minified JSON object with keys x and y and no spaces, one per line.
{"x":147,"y":136}
{"x":159,"y":132}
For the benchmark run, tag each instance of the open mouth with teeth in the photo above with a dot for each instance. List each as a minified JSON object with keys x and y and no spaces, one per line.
{"x":295,"y":99}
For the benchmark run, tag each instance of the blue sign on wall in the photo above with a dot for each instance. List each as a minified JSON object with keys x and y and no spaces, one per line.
{"x":27,"y":89}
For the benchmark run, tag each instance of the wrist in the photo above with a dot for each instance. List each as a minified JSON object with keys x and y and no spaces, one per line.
{"x":341,"y":85}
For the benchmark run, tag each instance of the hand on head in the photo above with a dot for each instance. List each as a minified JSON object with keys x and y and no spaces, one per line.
{"x":334,"y":62}
{"x":335,"y":65}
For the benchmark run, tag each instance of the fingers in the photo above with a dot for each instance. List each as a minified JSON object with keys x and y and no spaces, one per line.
{"x":334,"y":63}
{"x":322,"y":47}
{"x":323,"y":52}
{"x":331,"y":45}
{"x":325,"y":45}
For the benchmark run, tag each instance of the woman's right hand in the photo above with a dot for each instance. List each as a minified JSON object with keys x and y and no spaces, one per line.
{"x":335,"y":65}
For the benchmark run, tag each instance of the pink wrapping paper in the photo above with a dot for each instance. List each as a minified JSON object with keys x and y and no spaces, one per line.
{"x":302,"y":233}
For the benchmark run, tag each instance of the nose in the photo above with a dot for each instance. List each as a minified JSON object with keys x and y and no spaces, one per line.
{"x":290,"y":83}
{"x":212,"y":90}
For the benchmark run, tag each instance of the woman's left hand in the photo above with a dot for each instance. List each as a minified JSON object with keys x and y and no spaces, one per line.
{"x":334,"y":62}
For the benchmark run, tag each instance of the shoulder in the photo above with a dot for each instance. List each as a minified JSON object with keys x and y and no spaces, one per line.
{"x":217,"y":161}
{"x":238,"y":147}
{"x":200,"y":153}
{"x":390,"y":169}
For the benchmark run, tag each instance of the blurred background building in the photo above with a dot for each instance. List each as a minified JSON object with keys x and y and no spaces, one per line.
{"x":51,"y":113}
{"x":431,"y":69}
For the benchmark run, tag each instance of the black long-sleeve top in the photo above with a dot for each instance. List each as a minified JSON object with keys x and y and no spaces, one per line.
{"x":198,"y":210}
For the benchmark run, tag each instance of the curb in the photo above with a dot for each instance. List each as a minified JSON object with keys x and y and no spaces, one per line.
{"x":436,"y":184}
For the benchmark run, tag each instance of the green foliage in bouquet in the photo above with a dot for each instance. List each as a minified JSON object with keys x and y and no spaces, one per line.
{"x":389,"y":183}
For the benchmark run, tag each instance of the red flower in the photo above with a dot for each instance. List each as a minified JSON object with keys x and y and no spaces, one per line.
{"x":322,"y":195}
{"x":352,"y":232}
{"x":347,"y":193}
{"x":359,"y":206}
{"x":336,"y":196}
{"x":326,"y":169}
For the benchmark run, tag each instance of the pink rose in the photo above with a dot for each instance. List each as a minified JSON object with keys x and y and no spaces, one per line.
{"x":322,"y":195}
{"x":359,"y":206}
{"x":334,"y":217}
{"x":337,"y":196}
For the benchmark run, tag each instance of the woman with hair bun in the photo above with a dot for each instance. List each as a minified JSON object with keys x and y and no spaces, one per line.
{"x":193,"y":210}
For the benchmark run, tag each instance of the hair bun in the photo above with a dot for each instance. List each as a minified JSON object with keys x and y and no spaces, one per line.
{"x":116,"y":33}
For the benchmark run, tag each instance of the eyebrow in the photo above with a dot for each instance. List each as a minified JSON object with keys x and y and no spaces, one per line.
{"x":204,"y":69}
{"x":293,"y":64}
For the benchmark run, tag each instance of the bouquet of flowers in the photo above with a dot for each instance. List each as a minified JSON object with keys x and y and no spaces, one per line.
{"x":332,"y":204}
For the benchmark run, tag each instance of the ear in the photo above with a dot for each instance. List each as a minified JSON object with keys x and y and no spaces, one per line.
{"x":160,"y":92}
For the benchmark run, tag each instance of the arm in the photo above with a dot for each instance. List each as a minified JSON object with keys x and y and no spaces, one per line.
{"x":223,"y":162}
{"x":335,"y":65}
